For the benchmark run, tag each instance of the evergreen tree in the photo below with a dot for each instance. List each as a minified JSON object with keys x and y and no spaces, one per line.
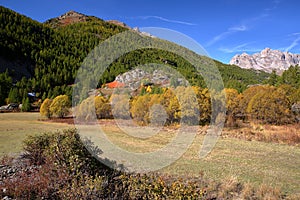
{"x":26,"y":106}
{"x":273,"y":79}
{"x":291,"y":76}
{"x":5,"y":85}
{"x":13,"y":96}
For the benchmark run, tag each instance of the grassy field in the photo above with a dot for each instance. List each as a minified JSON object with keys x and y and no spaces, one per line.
{"x":253,"y":162}
{"x":14,"y":127}
{"x":258,"y":163}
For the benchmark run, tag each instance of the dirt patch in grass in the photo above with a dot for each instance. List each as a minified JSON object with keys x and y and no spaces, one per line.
{"x":67,"y":120}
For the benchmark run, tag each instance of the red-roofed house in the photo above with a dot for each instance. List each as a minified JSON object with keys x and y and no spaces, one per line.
{"x":115,"y":84}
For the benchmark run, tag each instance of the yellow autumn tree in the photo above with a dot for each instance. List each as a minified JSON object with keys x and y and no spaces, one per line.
{"x":60,"y":106}
{"x":45,"y":108}
{"x":204,"y":103}
{"x":102,"y":107}
{"x":120,"y":106}
{"x":85,"y":109}
{"x":232,"y":104}
{"x":245,"y":104}
{"x":189,"y":108}
{"x":140,"y":109}
{"x":170,"y":103}
{"x":270,"y":105}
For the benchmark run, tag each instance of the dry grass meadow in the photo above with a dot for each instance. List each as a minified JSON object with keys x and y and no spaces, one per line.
{"x":275,"y":164}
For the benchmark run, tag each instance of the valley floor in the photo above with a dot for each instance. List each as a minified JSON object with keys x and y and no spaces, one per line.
{"x":274,"y":163}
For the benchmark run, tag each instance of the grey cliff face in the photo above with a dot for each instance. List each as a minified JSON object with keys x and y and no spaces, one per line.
{"x":267,"y":60}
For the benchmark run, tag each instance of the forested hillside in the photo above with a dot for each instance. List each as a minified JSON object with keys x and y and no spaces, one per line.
{"x":53,"y":54}
{"x":48,"y":56}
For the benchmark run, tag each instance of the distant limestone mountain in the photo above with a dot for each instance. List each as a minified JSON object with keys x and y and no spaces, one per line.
{"x":267,"y":60}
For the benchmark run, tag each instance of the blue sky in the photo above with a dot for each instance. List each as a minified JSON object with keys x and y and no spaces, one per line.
{"x":223,"y":27}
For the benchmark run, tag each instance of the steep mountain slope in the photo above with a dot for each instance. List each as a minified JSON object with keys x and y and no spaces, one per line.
{"x":50,"y":54}
{"x":21,"y":37}
{"x":267,"y":60}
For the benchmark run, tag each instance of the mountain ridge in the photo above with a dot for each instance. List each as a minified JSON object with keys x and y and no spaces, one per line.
{"x":267,"y":60}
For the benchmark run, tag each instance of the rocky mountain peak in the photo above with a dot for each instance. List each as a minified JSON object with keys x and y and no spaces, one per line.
{"x":267,"y":60}
{"x":71,"y":14}
{"x":67,"y":18}
{"x":265,"y":51}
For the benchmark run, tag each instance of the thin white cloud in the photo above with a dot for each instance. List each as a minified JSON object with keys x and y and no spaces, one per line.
{"x":225,"y":34}
{"x":239,"y":48}
{"x":257,"y":18}
{"x":294,"y":43}
{"x":274,"y":6}
{"x":238,"y":28}
{"x":233,"y":49}
{"x":166,"y":20}
{"x":295,"y":34}
{"x":245,"y":25}
{"x":267,"y":11}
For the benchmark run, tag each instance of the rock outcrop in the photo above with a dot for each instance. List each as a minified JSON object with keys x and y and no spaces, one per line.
{"x":67,"y":18}
{"x":133,"y":78}
{"x":267,"y":60}
{"x":116,"y":22}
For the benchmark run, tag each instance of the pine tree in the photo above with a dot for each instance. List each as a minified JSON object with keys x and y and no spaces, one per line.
{"x":13,"y":96}
{"x":26,"y":105}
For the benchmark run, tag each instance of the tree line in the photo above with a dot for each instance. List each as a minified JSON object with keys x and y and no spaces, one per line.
{"x":265,"y":103}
